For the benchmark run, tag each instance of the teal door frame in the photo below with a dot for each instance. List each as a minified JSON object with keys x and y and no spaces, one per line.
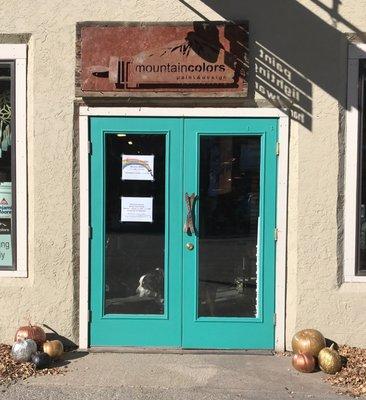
{"x":172,"y":128}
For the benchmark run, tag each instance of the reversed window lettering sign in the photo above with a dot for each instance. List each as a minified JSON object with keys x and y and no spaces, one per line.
{"x":136,"y":209}
{"x":137,"y":167}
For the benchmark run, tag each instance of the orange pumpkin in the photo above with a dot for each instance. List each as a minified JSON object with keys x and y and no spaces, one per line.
{"x":33,"y":332}
{"x":54,"y":348}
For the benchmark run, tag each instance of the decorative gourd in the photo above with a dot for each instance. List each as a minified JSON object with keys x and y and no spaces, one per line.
{"x":33,"y":332}
{"x":54,"y":348}
{"x":304,"y":362}
{"x":308,"y":341}
{"x":22,"y":350}
{"x":329,"y":360}
{"x":41,"y":359}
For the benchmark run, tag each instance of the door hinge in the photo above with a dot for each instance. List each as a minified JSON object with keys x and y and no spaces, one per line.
{"x":89,"y":315}
{"x":277,"y":148}
{"x":274,"y":319}
{"x":275,"y":234}
{"x":90,"y":233}
{"x":89,"y":147}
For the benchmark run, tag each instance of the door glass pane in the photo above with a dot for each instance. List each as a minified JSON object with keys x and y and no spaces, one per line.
{"x":228,"y":225}
{"x":135,"y":237}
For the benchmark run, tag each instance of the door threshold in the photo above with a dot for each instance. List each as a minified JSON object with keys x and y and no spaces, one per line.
{"x":165,"y":350}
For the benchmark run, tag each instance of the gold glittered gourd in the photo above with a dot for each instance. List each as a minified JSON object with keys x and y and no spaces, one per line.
{"x":308,"y":341}
{"x":329,"y":360}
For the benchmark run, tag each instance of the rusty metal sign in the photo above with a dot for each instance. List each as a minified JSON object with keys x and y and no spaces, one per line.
{"x":210,"y":57}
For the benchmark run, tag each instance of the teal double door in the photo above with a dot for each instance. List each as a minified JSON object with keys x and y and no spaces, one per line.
{"x":183,"y":219}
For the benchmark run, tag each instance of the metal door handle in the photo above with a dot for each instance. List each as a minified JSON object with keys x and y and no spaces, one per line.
{"x":189,"y":226}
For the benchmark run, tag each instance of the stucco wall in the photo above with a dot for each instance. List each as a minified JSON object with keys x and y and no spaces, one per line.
{"x":301,"y":35}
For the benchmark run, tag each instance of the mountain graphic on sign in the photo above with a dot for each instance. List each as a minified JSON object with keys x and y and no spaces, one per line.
{"x":3,"y":202}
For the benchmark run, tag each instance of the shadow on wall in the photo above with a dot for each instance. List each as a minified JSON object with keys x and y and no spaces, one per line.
{"x":54,"y":335}
{"x":291,"y":48}
{"x":282,"y":85}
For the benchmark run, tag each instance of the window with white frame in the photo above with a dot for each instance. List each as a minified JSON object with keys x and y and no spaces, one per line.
{"x":13,"y":170}
{"x":355,"y":178}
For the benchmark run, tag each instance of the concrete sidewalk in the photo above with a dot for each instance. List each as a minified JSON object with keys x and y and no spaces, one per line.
{"x":174,"y":377}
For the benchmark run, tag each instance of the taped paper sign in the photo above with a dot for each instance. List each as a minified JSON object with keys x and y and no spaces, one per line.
{"x":137,"y":167}
{"x":136,"y":209}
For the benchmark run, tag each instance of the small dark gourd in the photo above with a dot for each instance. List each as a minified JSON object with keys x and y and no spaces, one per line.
{"x":41,"y":359}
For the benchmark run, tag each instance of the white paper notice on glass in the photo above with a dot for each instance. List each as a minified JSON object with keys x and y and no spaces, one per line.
{"x":136,"y":209}
{"x":137,"y":168}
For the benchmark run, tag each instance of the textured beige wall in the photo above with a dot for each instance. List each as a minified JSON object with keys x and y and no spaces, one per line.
{"x":304,"y":35}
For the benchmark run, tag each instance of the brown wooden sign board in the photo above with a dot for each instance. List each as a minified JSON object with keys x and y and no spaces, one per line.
{"x":199,"y":58}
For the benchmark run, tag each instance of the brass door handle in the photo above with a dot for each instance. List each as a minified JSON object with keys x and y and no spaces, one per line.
{"x":189,"y":246}
{"x":189,"y":226}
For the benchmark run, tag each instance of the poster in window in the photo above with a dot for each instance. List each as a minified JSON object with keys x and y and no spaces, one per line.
{"x":137,"y":168}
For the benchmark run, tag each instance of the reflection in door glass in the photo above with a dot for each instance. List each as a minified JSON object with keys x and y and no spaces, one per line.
{"x":134,"y":248}
{"x":228,"y":225}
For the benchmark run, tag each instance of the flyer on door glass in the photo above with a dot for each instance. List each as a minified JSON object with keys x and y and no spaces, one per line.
{"x":136,"y":209}
{"x":137,"y":168}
